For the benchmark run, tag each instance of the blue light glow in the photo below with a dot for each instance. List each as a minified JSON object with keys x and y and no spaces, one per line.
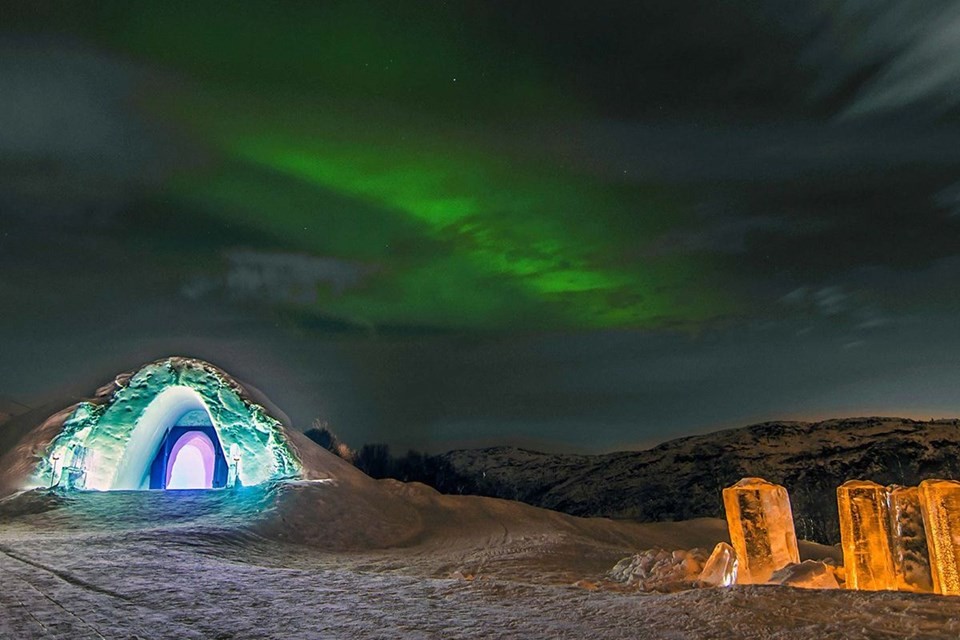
{"x":111,"y":445}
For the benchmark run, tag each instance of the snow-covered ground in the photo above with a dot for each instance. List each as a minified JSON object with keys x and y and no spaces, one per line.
{"x":365,"y":559}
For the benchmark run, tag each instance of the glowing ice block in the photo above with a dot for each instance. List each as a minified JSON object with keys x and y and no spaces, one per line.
{"x":720,"y":569}
{"x":761,"y":528}
{"x":940,"y":505}
{"x":865,"y":536}
{"x":908,"y":540}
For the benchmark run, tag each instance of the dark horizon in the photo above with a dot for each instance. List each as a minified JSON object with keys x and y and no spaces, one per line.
{"x":490,"y":223}
{"x":74,"y":392}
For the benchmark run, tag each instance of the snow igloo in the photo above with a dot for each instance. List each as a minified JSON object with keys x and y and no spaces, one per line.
{"x":178,"y":423}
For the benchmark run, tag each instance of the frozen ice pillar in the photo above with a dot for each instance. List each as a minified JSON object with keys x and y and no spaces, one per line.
{"x":721,"y":567}
{"x":940,"y":504}
{"x":908,"y":540}
{"x":865,"y":536}
{"x":761,"y":528}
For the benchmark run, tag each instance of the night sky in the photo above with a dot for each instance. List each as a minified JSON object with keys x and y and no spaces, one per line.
{"x":572,"y":226}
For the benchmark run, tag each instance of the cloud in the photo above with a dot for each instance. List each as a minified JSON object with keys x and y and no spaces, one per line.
{"x":73,"y":144}
{"x":835,"y":302}
{"x":894,"y":55}
{"x":949,"y":199}
{"x":924,"y":71}
{"x":277,"y":277}
{"x":830,"y":300}
{"x":825,"y":301}
{"x":721,"y":234}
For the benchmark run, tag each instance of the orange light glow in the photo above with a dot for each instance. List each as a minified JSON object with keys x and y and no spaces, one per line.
{"x":760,"y":521}
{"x":865,"y":536}
{"x":908,"y":540}
{"x":940,"y":504}
{"x":720,"y":570}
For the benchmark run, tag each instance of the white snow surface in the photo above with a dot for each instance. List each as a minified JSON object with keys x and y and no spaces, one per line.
{"x":351,"y":557}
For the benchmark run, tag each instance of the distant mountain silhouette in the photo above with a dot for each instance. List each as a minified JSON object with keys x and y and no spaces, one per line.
{"x":682,"y":479}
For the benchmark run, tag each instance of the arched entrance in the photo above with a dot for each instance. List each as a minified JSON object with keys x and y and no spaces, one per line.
{"x":190,"y":457}
{"x":191,"y":463}
{"x":124,"y":437}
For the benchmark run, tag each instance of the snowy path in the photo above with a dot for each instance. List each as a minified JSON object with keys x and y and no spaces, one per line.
{"x":79,"y":572}
{"x":115,"y":588}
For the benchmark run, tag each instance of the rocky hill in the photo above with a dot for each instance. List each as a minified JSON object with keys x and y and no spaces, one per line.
{"x":682,"y":479}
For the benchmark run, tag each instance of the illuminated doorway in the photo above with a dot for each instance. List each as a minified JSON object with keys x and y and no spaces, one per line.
{"x":191,"y":462}
{"x":190,"y":457}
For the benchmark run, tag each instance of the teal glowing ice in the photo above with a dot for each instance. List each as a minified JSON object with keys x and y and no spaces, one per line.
{"x":111,"y":445}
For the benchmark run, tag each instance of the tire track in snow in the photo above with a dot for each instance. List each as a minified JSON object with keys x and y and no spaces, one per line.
{"x":63,"y":575}
{"x":46,"y":596}
{"x":123,"y":610}
{"x":8,"y":593}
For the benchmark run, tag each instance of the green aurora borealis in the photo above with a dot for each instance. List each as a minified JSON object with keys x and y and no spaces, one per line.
{"x":478,"y":222}
{"x":458,"y":238}
{"x":403,"y":119}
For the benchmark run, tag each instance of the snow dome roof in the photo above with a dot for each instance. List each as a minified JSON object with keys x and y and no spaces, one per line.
{"x":112,"y":439}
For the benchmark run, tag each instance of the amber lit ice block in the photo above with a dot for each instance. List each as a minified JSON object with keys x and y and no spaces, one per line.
{"x":940,"y":505}
{"x":761,"y":528}
{"x":720,"y":569}
{"x":908,"y":540}
{"x":865,"y":536}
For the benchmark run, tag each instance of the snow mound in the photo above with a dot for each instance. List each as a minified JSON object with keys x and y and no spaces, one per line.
{"x":660,"y":570}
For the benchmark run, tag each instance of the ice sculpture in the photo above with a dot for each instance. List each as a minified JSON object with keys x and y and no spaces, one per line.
{"x":940,"y":505}
{"x":809,"y":574}
{"x":112,"y":444}
{"x":908,"y":540}
{"x":720,"y":569}
{"x":761,"y":528}
{"x":865,"y":536}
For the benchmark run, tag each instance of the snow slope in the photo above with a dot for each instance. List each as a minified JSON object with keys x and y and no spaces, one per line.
{"x":346,"y":556}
